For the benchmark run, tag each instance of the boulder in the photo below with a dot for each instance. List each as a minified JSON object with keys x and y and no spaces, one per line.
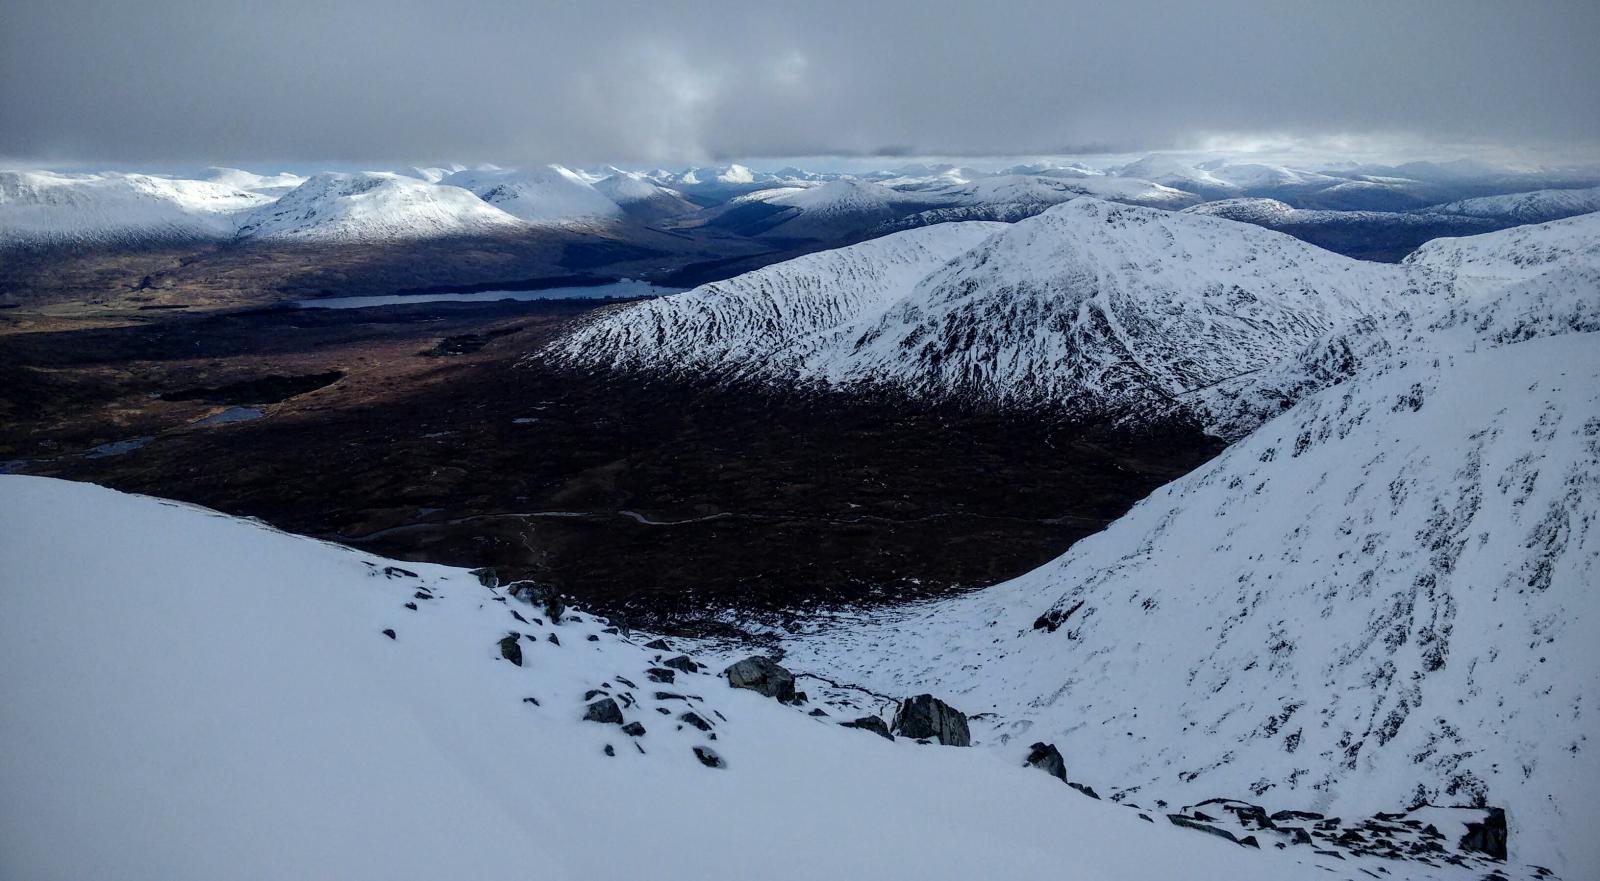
{"x":1488,"y":835}
{"x":927,"y":717}
{"x":1047,"y":758}
{"x":660,"y":674}
{"x":681,"y":662}
{"x":870,"y":723}
{"x":510,"y":649}
{"x":633,"y":729}
{"x":604,"y":710}
{"x":486,"y":576}
{"x":696,"y":720}
{"x":708,"y":757}
{"x":1084,"y":788}
{"x":659,"y":645}
{"x":763,"y":675}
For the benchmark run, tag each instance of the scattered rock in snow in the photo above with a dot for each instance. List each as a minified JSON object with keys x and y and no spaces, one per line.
{"x":818,"y":711}
{"x":660,"y":674}
{"x":696,"y":720}
{"x":763,"y":675}
{"x":389,"y":633}
{"x":925,"y":716}
{"x":709,"y":758}
{"x":1084,"y":788}
{"x":870,"y":723}
{"x":659,"y":645}
{"x":487,"y":576}
{"x":531,"y":700}
{"x":1192,"y":823}
{"x":397,"y":572}
{"x":604,"y":710}
{"x":1487,"y":835}
{"x":540,"y":595}
{"x":633,"y":729}
{"x":1047,"y":758}
{"x":510,"y":649}
{"x":681,"y":662}
{"x":554,"y":640}
{"x":411,"y":606}
{"x":610,"y":750}
{"x":593,"y":637}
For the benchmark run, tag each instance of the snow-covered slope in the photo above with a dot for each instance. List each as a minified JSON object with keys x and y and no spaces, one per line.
{"x":273,"y":185}
{"x":1385,"y":595}
{"x":642,"y":198}
{"x":1535,"y":207}
{"x":1099,"y":310}
{"x":545,"y":195}
{"x":1377,"y":235}
{"x":46,"y":208}
{"x":763,"y":323}
{"x":189,"y":695}
{"x":374,"y":206}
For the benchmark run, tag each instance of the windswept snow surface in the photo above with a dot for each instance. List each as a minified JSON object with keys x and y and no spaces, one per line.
{"x":1100,"y":310}
{"x":266,"y":184}
{"x":374,"y":206}
{"x":46,"y":208}
{"x":189,"y":695}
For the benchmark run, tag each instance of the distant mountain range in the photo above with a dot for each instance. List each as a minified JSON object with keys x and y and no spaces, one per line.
{"x":1380,"y":212}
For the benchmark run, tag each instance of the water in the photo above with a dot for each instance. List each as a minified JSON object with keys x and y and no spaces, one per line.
{"x":117,"y":448}
{"x":624,"y":288}
{"x":230,"y":415}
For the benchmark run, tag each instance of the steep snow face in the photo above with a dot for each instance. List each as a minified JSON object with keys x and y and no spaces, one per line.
{"x":235,"y":684}
{"x":764,"y":324}
{"x":1384,"y":595}
{"x":374,"y":206}
{"x":546,"y":195}
{"x":273,"y":185}
{"x":45,"y":208}
{"x":1535,"y":207}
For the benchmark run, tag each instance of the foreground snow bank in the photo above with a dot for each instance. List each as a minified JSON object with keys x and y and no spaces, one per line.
{"x":188,"y":695}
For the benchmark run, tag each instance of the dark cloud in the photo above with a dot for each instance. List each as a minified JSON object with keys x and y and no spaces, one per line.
{"x":496,"y":80}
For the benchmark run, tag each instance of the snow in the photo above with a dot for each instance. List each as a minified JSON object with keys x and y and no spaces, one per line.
{"x":1385,"y":593}
{"x":47,"y":208}
{"x":265,"y":184}
{"x":1532,"y":207}
{"x":1096,"y":309}
{"x":190,"y":695}
{"x":546,"y":195}
{"x":374,"y":206}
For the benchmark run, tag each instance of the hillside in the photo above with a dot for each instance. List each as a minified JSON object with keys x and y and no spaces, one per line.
{"x":42,"y":208}
{"x":374,"y":206}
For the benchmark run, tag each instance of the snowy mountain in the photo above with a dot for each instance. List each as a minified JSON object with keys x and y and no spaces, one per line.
{"x":544,"y":195}
{"x":1172,"y":172}
{"x":642,"y":198}
{"x":1369,"y":235}
{"x":1382,"y":596}
{"x":283,"y":707}
{"x":374,"y":206}
{"x":273,"y":185}
{"x":1096,"y":310}
{"x":1535,"y":207}
{"x":1009,"y":198}
{"x":755,"y":325}
{"x":41,"y":208}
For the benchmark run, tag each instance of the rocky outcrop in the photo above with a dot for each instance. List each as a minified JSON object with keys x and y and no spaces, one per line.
{"x":511,"y":649}
{"x":763,"y":675}
{"x":541,"y":595}
{"x":1047,"y":758}
{"x":870,"y":723}
{"x":605,"y":711}
{"x":925,"y":717}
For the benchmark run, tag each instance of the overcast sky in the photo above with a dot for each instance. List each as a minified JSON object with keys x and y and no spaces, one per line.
{"x":510,"y":81}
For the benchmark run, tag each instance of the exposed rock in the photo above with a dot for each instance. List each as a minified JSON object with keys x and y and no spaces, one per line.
{"x":660,"y":674}
{"x":681,"y":662}
{"x":603,"y":710}
{"x":762,"y":675}
{"x":610,"y":750}
{"x":696,"y":720}
{"x":592,"y":693}
{"x":397,"y":572}
{"x":593,"y":638}
{"x":1047,"y":758}
{"x":925,"y":716}
{"x":554,"y":640}
{"x":487,"y":576}
{"x":540,"y":595}
{"x":1084,"y":788}
{"x":659,"y":645}
{"x":1192,"y":823}
{"x":510,"y":648}
{"x":1488,"y":835}
{"x":870,"y":723}
{"x":389,"y":633}
{"x":411,"y":606}
{"x":633,"y":729}
{"x":818,"y":711}
{"x":709,"y":758}
{"x":531,"y":700}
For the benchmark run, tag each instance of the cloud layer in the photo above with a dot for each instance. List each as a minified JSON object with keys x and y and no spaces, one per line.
{"x":497,"y":80}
